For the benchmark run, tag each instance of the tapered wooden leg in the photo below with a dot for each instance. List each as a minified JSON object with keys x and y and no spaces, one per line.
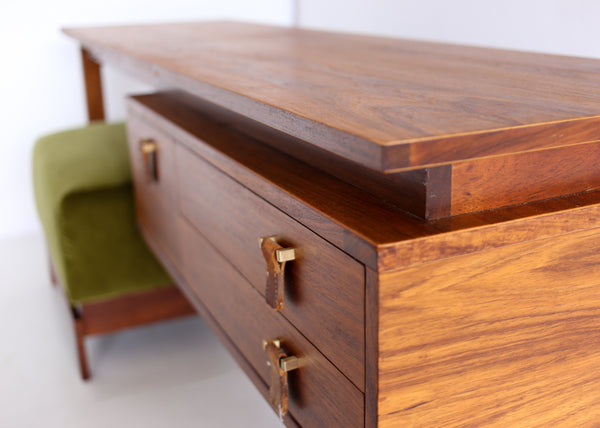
{"x":93,"y":86}
{"x":80,"y":336}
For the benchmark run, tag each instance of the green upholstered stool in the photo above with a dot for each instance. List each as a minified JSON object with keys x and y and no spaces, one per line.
{"x":83,"y":192}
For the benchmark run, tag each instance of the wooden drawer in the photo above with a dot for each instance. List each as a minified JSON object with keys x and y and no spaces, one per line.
{"x":155,"y":198}
{"x":319,"y":394}
{"x":324,"y":296}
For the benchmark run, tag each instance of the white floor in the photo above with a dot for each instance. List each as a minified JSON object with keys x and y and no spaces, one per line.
{"x":174,"y":374}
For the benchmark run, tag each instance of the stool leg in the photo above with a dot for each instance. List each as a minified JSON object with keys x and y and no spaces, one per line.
{"x":80,"y":336}
{"x":53,"y":276}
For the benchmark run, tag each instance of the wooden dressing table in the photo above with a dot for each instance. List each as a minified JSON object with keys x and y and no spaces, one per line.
{"x":428,"y":216}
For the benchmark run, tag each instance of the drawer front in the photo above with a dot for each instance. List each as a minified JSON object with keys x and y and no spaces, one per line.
{"x":319,"y":394}
{"x":155,"y":196}
{"x":324,"y":287}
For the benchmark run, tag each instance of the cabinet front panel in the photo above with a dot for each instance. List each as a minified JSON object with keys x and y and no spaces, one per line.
{"x":319,"y":395}
{"x":324,"y":287}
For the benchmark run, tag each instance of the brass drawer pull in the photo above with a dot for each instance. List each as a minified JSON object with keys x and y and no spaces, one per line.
{"x":280,"y":365}
{"x":276,"y":257}
{"x":149,"y":149}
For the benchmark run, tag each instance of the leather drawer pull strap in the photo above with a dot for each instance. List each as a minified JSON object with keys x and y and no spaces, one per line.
{"x":280,"y":364}
{"x":276,"y":257}
{"x":148,"y":147}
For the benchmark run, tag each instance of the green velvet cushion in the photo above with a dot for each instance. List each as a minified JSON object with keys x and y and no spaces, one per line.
{"x":82,"y":184}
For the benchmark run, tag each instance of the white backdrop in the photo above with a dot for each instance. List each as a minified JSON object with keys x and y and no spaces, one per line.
{"x":40,"y":78}
{"x":553,"y":26}
{"x":41,"y":86}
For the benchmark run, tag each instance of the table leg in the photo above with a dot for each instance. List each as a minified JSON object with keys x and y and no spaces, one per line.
{"x":93,"y":86}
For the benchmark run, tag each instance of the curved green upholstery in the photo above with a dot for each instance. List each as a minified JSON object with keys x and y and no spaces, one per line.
{"x":82,"y":184}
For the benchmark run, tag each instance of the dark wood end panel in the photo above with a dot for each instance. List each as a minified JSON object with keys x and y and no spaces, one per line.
{"x":438,"y":192}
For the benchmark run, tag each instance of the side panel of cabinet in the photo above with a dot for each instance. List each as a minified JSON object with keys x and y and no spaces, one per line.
{"x":508,"y":337}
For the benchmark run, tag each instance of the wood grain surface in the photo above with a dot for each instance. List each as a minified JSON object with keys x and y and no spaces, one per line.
{"x":324,"y":288}
{"x":496,"y":229}
{"x":320,"y":395}
{"x":501,"y":181}
{"x":507,"y":337}
{"x":384,"y":103}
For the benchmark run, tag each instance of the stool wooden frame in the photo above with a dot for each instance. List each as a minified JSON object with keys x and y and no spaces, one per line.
{"x":125,"y":311}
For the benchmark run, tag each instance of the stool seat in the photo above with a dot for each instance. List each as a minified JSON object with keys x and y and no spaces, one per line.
{"x":82,"y":183}
{"x":84,"y":197}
